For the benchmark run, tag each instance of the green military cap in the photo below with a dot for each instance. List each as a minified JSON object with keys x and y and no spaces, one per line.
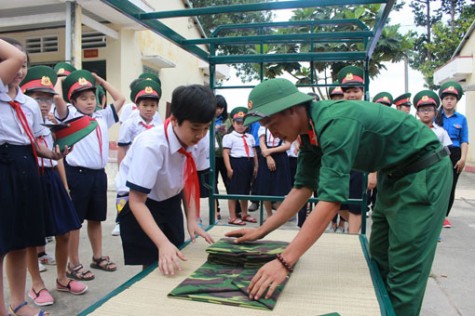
{"x":403,"y":99}
{"x":351,"y":76}
{"x":63,"y":69}
{"x":237,"y":110}
{"x":77,"y":81}
{"x":384,"y":98}
{"x":145,"y":89}
{"x":70,"y":132}
{"x":39,"y":78}
{"x":239,"y":116}
{"x":150,"y":76}
{"x":451,"y":87}
{"x":273,"y":96}
{"x":426,"y":97}
{"x":335,"y":90}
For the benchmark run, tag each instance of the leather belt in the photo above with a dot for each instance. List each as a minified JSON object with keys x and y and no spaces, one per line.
{"x":420,"y":164}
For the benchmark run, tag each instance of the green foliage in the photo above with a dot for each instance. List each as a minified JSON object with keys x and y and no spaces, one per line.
{"x":430,"y":55}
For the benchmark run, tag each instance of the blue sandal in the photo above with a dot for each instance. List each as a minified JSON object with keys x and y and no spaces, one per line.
{"x":14,"y":311}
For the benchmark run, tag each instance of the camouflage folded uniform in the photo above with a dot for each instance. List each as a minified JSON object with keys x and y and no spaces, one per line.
{"x":225,"y":277}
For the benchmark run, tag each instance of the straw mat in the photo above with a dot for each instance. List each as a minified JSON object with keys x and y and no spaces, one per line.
{"x":332,"y":276}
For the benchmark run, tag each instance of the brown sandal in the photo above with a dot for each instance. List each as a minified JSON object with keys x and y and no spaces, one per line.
{"x":103,"y":263}
{"x":79,"y":273}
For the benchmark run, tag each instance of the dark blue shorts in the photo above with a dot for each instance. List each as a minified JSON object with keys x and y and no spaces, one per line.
{"x":138,"y":247}
{"x":88,"y":190}
{"x":356,"y":192}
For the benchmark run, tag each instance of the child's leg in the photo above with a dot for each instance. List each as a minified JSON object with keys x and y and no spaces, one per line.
{"x":73,"y":249}
{"x":61,"y":253}
{"x":15,"y":266}
{"x":243,"y":204}
{"x":94,"y":232}
{"x":34,"y":270}
{"x":354,"y":223}
{"x":232,"y":208}
{"x":268,"y":208}
{"x":3,"y":311}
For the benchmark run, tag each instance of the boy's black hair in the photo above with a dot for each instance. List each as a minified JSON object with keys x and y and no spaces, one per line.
{"x":221,"y":103}
{"x":195,"y":103}
{"x":344,"y":89}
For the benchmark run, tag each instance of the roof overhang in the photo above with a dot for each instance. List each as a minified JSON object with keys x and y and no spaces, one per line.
{"x":457,"y":69}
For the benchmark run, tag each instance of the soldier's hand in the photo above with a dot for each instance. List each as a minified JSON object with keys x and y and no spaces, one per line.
{"x":244,"y":234}
{"x":269,"y":277}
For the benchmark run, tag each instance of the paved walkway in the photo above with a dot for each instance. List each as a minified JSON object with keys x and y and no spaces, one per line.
{"x":450,"y":291}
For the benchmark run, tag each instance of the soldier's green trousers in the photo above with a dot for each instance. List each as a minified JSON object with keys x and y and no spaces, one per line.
{"x":407,"y":220}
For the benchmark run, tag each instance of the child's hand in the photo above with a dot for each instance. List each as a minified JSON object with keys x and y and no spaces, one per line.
{"x":271,"y":163}
{"x":230,"y":173}
{"x":52,"y":118}
{"x":265,"y":152}
{"x":99,"y":80}
{"x":168,"y":256}
{"x":254,"y":173}
{"x":194,"y":229}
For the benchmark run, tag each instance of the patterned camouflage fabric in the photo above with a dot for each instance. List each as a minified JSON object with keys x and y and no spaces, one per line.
{"x":225,"y":277}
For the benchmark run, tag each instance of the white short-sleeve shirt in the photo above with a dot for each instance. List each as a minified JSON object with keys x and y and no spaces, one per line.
{"x":86,"y":152}
{"x":126,"y":110}
{"x":11,"y":130}
{"x":48,"y":141}
{"x":134,"y":126}
{"x":271,"y":141}
{"x":235,"y":143}
{"x":154,"y":166}
{"x":200,"y":153}
{"x":442,"y":135}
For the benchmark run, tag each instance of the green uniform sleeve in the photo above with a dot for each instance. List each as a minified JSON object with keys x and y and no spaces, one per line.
{"x":339,"y":141}
{"x":308,"y":165}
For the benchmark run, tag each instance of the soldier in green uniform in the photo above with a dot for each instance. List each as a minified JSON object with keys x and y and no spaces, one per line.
{"x":338,"y":136}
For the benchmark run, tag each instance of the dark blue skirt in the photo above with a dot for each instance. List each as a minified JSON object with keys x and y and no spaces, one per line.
{"x":21,"y":199}
{"x":275,"y":183}
{"x":240,"y":183}
{"x":60,"y":215}
{"x":138,"y":247}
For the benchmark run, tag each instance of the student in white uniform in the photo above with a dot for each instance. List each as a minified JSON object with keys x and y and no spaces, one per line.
{"x":240,"y":159}
{"x":60,"y":215}
{"x":21,"y":198}
{"x":87,"y":179}
{"x":157,"y":170}
{"x":146,"y":95}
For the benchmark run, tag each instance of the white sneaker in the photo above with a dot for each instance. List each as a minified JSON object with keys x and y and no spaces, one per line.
{"x":41,"y":267}
{"x":116,"y":230}
{"x":47,"y":260}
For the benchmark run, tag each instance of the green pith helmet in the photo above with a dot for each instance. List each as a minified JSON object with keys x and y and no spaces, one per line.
{"x":150,"y":76}
{"x":403,"y":99}
{"x":146,"y":89}
{"x":63,"y":69}
{"x":77,"y":81}
{"x":70,"y":132}
{"x":273,"y":96}
{"x":351,"y":76}
{"x":335,"y":90}
{"x":426,"y":97}
{"x":237,"y":110}
{"x":39,"y":79}
{"x":384,"y":98}
{"x":451,"y":87}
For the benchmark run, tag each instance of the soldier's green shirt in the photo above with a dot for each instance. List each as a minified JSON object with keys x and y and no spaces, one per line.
{"x":357,"y":135}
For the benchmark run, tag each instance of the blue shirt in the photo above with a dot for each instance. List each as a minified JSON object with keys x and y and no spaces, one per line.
{"x":254,"y":131}
{"x":457,"y":128}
